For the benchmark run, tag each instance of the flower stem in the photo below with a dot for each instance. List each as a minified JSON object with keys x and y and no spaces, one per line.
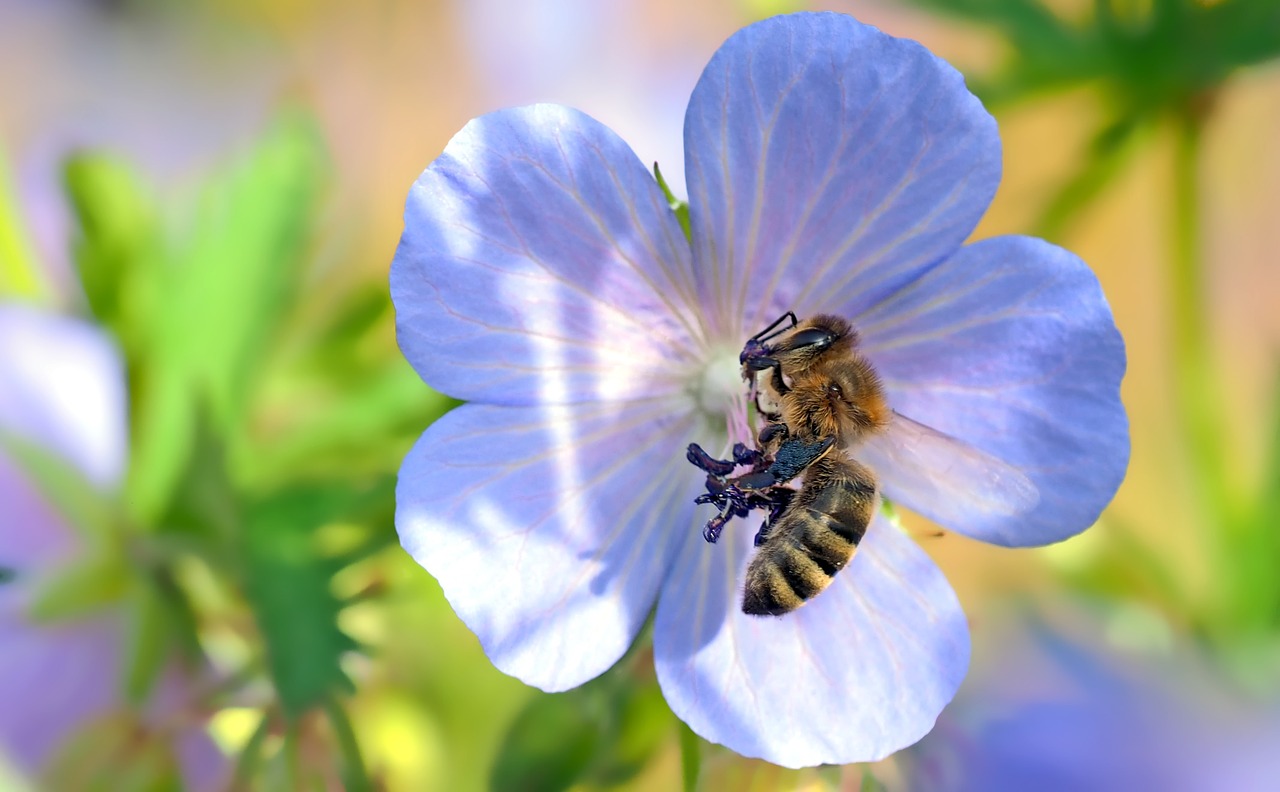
{"x":1198,"y":408}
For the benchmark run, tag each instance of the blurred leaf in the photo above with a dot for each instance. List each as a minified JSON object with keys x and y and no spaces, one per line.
{"x":163,"y":428}
{"x":20,"y":274}
{"x":1151,"y":57}
{"x":149,"y":625}
{"x":218,"y":304}
{"x":65,"y":488}
{"x":82,"y":588}
{"x":205,"y":506}
{"x":118,"y":241}
{"x":869,"y":782}
{"x":365,"y":427}
{"x":643,"y":723}
{"x":245,"y":257}
{"x":1047,"y":52}
{"x":551,"y":743}
{"x":1109,"y":151}
{"x":1128,"y":567}
{"x":601,"y":734}
{"x":288,"y":587}
{"x":116,"y":753}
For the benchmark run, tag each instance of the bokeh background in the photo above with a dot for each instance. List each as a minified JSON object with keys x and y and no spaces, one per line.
{"x":218,"y":185}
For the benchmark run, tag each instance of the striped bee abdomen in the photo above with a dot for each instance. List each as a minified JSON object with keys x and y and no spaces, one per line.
{"x":813,"y":539}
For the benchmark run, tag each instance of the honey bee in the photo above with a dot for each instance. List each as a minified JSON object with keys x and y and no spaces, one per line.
{"x":828,"y":419}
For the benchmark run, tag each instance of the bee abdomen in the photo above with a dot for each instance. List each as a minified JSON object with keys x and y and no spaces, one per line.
{"x":812,"y":541}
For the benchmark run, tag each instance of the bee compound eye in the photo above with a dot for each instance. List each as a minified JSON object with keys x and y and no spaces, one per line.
{"x":811,"y":338}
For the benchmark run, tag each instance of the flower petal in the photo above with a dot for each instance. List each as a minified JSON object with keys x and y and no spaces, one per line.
{"x":1010,"y":347}
{"x":549,"y":528}
{"x":74,"y":666}
{"x":34,"y":538}
{"x":540,"y":263}
{"x":828,"y":164}
{"x":857,"y":673}
{"x":76,"y":669}
{"x":63,"y":390}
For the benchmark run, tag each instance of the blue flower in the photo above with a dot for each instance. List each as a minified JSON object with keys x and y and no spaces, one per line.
{"x":64,"y":393}
{"x":543,"y":278}
{"x":1057,"y":710}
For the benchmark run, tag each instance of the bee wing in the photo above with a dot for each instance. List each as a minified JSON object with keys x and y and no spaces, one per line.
{"x":926,"y":466}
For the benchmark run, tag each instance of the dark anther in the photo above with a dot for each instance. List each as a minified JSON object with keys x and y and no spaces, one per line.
{"x":704,"y":461}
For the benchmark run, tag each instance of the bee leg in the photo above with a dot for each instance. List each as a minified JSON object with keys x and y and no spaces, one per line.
{"x":732,"y":504}
{"x":771,"y":432}
{"x":792,"y":458}
{"x":795,"y":455}
{"x":743,"y":455}
{"x":779,"y":501}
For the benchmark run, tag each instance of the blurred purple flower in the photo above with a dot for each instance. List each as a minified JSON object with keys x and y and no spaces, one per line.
{"x":1057,"y":711}
{"x":63,"y":390}
{"x":543,"y":277}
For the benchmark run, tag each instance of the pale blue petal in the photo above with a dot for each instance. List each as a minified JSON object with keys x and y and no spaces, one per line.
{"x":550,"y":528}
{"x":62,"y":388}
{"x":859,"y":672}
{"x":33,"y":536}
{"x":827,"y":165}
{"x":1010,"y":346}
{"x":59,"y":679}
{"x":540,"y":263}
{"x":53,"y":680}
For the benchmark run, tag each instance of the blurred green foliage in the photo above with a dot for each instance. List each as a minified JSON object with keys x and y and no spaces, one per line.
{"x":263,"y":445}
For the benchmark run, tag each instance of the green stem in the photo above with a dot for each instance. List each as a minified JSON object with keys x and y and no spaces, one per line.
{"x":250,"y":758}
{"x":1198,"y":408}
{"x":354,"y":776}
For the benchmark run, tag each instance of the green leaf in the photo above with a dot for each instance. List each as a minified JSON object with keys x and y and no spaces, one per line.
{"x":1110,"y":150}
{"x":116,"y":753}
{"x":163,"y":425}
{"x":215,"y":306}
{"x":118,"y":239}
{"x":869,"y":781}
{"x":288,"y":583}
{"x":551,"y":744}
{"x":64,"y":487}
{"x":82,"y":588}
{"x":245,"y":258}
{"x":641,"y":723}
{"x":150,"y":620}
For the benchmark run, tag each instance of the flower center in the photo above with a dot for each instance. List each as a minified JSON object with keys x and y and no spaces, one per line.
{"x":720,"y":394}
{"x":721,"y":383}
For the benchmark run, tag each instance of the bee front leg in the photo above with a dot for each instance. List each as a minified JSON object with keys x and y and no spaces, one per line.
{"x":780,"y":499}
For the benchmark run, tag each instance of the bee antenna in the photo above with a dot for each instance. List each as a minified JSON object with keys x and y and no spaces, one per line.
{"x":765,"y":334}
